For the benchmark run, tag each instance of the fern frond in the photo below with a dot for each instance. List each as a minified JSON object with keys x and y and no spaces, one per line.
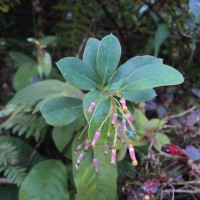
{"x":76,"y":18}
{"x":9,"y":163}
{"x":26,"y":124}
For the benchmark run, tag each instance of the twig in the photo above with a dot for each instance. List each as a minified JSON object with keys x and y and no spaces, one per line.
{"x":182,"y":114}
{"x":31,"y":158}
{"x":183,"y":191}
{"x":85,"y":38}
{"x":152,"y":143}
{"x":70,"y":142}
{"x":5,"y":181}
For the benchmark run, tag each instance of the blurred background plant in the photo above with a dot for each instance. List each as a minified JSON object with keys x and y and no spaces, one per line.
{"x":35,"y":34}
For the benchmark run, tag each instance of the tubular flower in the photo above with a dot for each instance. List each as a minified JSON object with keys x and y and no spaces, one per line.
{"x":124,"y":125}
{"x":96,"y":137}
{"x":129,"y":117}
{"x":86,"y":145}
{"x":132,"y":155}
{"x":105,"y":149}
{"x":91,"y":108}
{"x":80,"y":157}
{"x":77,"y":148}
{"x":114,"y":118}
{"x":119,"y":137}
{"x":113,"y":155}
{"x":95,"y":164}
{"x":123,"y":103}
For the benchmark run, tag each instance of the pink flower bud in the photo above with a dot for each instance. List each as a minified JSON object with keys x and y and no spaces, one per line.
{"x":77,"y":148}
{"x":123,"y":103}
{"x":95,"y":164}
{"x":129,"y":117}
{"x":96,"y":137}
{"x":105,"y":149}
{"x":132,"y":155}
{"x":86,"y":145}
{"x":114,"y":118}
{"x":113,"y":155}
{"x":80,"y":157}
{"x":119,"y":137}
{"x":124,"y":124}
{"x":91,"y":108}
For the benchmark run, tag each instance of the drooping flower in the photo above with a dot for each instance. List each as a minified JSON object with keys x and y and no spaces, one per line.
{"x":132,"y":155}
{"x":91,"y":108}
{"x":123,"y":103}
{"x":114,"y":118}
{"x":96,"y":137}
{"x":119,"y":137}
{"x":95,"y":164}
{"x":86,"y":145}
{"x":105,"y":149}
{"x":80,"y":157}
{"x":77,"y":148}
{"x":129,"y":117}
{"x":124,"y":125}
{"x":113,"y":155}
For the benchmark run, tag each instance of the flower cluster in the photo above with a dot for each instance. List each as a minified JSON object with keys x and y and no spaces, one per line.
{"x":121,"y":121}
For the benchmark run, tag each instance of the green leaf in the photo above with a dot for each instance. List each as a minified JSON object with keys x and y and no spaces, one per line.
{"x":90,"y":97}
{"x":63,"y":135}
{"x":140,"y":95}
{"x":62,"y":110}
{"x":161,"y":35}
{"x":24,"y":149}
{"x":147,"y":77}
{"x":100,"y":113}
{"x":77,"y":73}
{"x":47,"y":180}
{"x":132,"y":65}
{"x":160,"y":140}
{"x":24,"y":75}
{"x":140,"y":142}
{"x":35,"y":92}
{"x":90,"y":52}
{"x":153,"y":125}
{"x":92,"y":186}
{"x":45,"y":41}
{"x":19,"y":58}
{"x":108,"y":57}
{"x":140,"y":122}
{"x":44,"y":64}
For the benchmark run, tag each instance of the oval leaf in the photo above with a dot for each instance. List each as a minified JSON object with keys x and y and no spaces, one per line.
{"x":35,"y":92}
{"x":149,"y":76}
{"x":161,"y":35}
{"x":61,"y":111}
{"x":77,"y":73}
{"x":90,"y":52}
{"x":47,"y":180}
{"x":134,"y":64}
{"x":92,"y":186}
{"x":108,"y":57}
{"x":140,"y":95}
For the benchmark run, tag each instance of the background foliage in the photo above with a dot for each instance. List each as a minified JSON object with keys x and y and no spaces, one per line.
{"x":36,"y":34}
